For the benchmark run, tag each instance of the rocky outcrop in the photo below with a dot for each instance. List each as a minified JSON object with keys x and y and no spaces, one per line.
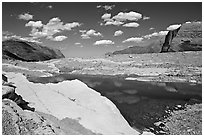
{"x":16,"y":121}
{"x":188,"y":37}
{"x":28,"y":51}
{"x":168,"y":39}
{"x":73,"y":99}
{"x":8,"y":92}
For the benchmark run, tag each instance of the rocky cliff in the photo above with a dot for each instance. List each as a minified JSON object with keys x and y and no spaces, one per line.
{"x":28,"y":51}
{"x":168,"y":39}
{"x":188,"y":37}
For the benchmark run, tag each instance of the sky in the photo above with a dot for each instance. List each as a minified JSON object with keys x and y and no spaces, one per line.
{"x":91,"y":29}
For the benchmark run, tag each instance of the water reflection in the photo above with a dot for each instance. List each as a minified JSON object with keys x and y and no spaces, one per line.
{"x":141,"y":103}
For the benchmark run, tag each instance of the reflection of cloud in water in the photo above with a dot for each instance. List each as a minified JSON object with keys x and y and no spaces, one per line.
{"x":127,"y":99}
{"x":160,"y":84}
{"x":92,"y":84}
{"x":118,"y":84}
{"x":171,"y":89}
{"x":131,"y":91}
{"x":167,"y":86}
{"x":114,"y":93}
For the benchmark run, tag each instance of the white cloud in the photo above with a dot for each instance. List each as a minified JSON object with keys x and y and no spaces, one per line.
{"x":161,"y":33}
{"x":131,"y":16}
{"x":146,"y":18}
{"x":98,"y":6}
{"x":58,"y":38}
{"x":132,"y":24}
{"x":79,"y":44}
{"x":50,"y":6}
{"x":187,"y":22}
{"x":103,"y":42}
{"x":25,"y":16}
{"x":36,"y":24}
{"x":121,"y":18}
{"x":87,"y":34}
{"x":151,"y":28}
{"x":172,"y":27}
{"x":69,"y":26}
{"x":118,"y":33}
{"x":106,"y":16}
{"x":133,"y":39}
{"x":8,"y":35}
{"x":106,"y":7}
{"x":111,"y":22}
{"x":54,"y":25}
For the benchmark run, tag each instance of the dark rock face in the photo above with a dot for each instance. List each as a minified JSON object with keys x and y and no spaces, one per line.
{"x":28,"y":51}
{"x":8,"y":92}
{"x":168,"y":39}
{"x":188,"y":37}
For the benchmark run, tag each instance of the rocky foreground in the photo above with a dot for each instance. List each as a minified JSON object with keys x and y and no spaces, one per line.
{"x":69,"y":107}
{"x":83,"y":110}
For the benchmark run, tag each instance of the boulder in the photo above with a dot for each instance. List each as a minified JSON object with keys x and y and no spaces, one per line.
{"x":15,"y":121}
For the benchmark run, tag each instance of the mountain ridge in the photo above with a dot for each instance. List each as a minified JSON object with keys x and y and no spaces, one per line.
{"x":28,"y":51}
{"x":187,"y":38}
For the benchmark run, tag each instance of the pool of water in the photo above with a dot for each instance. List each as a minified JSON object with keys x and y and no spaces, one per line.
{"x":141,"y":103}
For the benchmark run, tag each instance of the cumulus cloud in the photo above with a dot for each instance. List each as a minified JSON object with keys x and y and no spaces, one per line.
{"x":106,"y":16}
{"x":131,"y":16}
{"x":103,"y":42}
{"x":54,"y":25}
{"x":35,"y":24}
{"x":58,"y":38}
{"x":151,"y":28}
{"x":172,"y":27}
{"x":8,"y":35}
{"x":25,"y":16}
{"x":50,"y":6}
{"x":161,"y":33}
{"x":121,"y":18}
{"x":146,"y":18}
{"x":118,"y":33}
{"x":112,"y":22}
{"x":132,"y":24}
{"x":133,"y":39}
{"x":106,"y":7}
{"x":87,"y":34}
{"x":79,"y":44}
{"x":109,"y":7}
